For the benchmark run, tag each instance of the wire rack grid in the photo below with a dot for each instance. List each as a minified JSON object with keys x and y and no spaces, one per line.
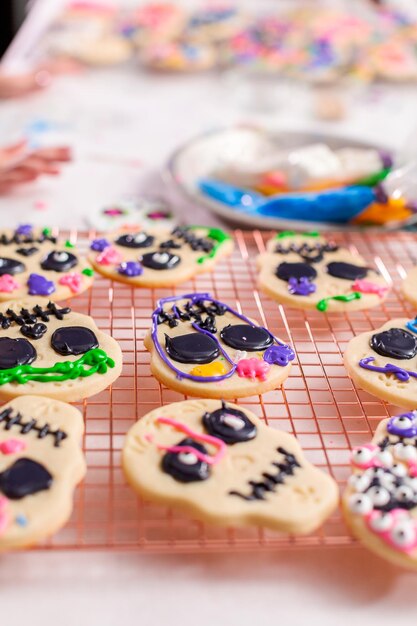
{"x":319,"y":404}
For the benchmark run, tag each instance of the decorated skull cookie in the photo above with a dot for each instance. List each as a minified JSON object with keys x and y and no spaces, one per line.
{"x":52,"y":351}
{"x":159,"y":258}
{"x":41,"y":463}
{"x":202,"y":347}
{"x":34,"y":262}
{"x":384,"y":362}
{"x":380,"y":502}
{"x":223,"y":464}
{"x":308,"y":272}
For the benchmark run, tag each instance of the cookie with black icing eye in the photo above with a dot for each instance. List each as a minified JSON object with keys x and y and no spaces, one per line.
{"x":384,"y":362}
{"x":49,"y":350}
{"x":41,"y":463}
{"x":308,"y":272}
{"x":224,"y":465}
{"x":202,"y":347}
{"x":34,"y":262}
{"x":158,"y":258}
{"x":380,"y":501}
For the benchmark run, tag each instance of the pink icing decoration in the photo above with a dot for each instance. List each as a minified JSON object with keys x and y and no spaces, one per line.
{"x":8,"y":283}
{"x":252,"y":368}
{"x":109,"y":256}
{"x":73,"y":280}
{"x":396,"y":515}
{"x":4,"y":518}
{"x":412,"y":468}
{"x":365,"y":286}
{"x":11,"y":446}
{"x":217,"y":443}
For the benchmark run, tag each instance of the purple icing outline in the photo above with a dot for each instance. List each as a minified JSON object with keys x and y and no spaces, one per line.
{"x":193,"y":298}
{"x":407,"y":432}
{"x":402,"y":374}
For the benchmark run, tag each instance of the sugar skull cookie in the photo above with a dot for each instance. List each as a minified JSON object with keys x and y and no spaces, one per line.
{"x":308,"y":272}
{"x":409,"y":286}
{"x":41,"y":463}
{"x":202,"y":347}
{"x":159,"y":258}
{"x":52,"y":351}
{"x":221,"y":463}
{"x":380,"y":502}
{"x":384,"y":362}
{"x":33,"y":262}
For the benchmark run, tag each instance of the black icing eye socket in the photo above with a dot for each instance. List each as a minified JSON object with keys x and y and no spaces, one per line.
{"x":160,"y":260}
{"x":24,"y":478}
{"x":395,"y":343}
{"x":10,"y":266}
{"x":27,"y":251}
{"x":73,"y":340}
{"x":135,"y":240}
{"x":185,"y":466}
{"x":14,"y":352}
{"x":229,"y":425}
{"x":59,"y":261}
{"x":348,"y":271}
{"x":33,"y":331}
{"x":192,"y":348}
{"x":285,"y":271}
{"x":245,"y":337}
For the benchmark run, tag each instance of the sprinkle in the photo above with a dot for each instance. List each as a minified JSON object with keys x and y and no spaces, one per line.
{"x":40,"y":205}
{"x":87,"y":272}
{"x":21,"y":520}
{"x":47,"y":232}
{"x":69,"y":244}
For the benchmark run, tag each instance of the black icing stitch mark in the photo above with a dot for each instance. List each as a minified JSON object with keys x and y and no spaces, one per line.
{"x":27,"y":251}
{"x":196,"y":243}
{"x":36,"y":331}
{"x":285,"y":271}
{"x":22,"y":239}
{"x":192,"y":348}
{"x":193,"y":312}
{"x":11,"y":266}
{"x":310,"y":254}
{"x":189,"y":468}
{"x":25,"y":317}
{"x":395,"y":343}
{"x":14,"y":352}
{"x":73,"y":340}
{"x":9,"y":421}
{"x":347,"y":271}
{"x":230,"y":425}
{"x":269,"y":481}
{"x":245,"y":337}
{"x":24,"y":478}
{"x":58,"y":261}
{"x":135,"y":240}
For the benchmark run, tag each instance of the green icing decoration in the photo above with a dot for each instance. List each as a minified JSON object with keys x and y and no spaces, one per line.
{"x":92,"y":362}
{"x":218,"y":235}
{"x":87,"y":272}
{"x":292,"y":233}
{"x":47,"y":232}
{"x":323,"y":304}
{"x":68,"y":244}
{"x":374,"y":179}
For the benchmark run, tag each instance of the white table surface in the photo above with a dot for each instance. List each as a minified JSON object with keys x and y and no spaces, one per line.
{"x":122,"y":126}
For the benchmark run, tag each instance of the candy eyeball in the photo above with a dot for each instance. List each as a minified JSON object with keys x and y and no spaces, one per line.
{"x":403,"y":535}
{"x":359,"y":482}
{"x":375,"y":473}
{"x":379,"y":496}
{"x":404,"y":494}
{"x":405,"y":452}
{"x":381,"y":522}
{"x":399,"y":470}
{"x":385,"y":458}
{"x":360,"y":504}
{"x":387,"y":480}
{"x":401,"y":422}
{"x":188,"y":458}
{"x":411,"y":481}
{"x":362,"y":456}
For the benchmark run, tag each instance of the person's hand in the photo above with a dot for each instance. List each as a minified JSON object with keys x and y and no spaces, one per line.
{"x":20,"y":85}
{"x":18,"y":166}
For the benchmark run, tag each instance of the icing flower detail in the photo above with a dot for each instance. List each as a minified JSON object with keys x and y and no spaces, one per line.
{"x":113,"y":212}
{"x":73,"y":280}
{"x":301,"y":286}
{"x":130,"y":268}
{"x":366,"y":286}
{"x":40,"y":286}
{"x":8,"y":283}
{"x":12,"y":446}
{"x":252,"y":368}
{"x":279,"y":355}
{"x":98,"y":245}
{"x":109,"y":256}
{"x":24,"y":229}
{"x":210,"y":369}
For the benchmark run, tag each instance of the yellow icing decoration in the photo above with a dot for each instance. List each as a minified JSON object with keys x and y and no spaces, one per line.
{"x":210,"y":369}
